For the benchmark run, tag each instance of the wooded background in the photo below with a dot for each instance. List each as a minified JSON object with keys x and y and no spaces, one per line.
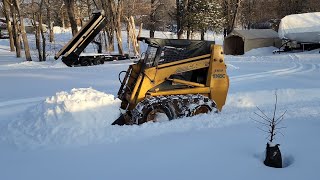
{"x":182,"y":17}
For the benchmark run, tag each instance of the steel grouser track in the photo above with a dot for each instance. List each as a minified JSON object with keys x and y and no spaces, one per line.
{"x":162,"y":108}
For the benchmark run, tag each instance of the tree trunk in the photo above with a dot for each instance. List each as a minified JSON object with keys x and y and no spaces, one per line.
{"x":25,"y":40}
{"x":89,"y":9}
{"x":182,"y":8}
{"x":116,"y":13}
{"x":133,"y":37}
{"x":49,"y":20}
{"x":110,"y":36}
{"x":179,"y":20}
{"x":152,"y":18}
{"x":23,"y":32}
{"x":42,"y":2}
{"x":16,"y":33}
{"x":62,"y":16}
{"x":105,"y":40}
{"x":36,"y":27}
{"x":235,"y":16}
{"x":202,"y":34}
{"x":139,"y":35}
{"x":70,"y":4}
{"x":118,"y":27}
{"x":128,"y":33}
{"x":140,"y":30}
{"x":119,"y":37}
{"x":189,"y":33}
{"x":43,"y":38}
{"x":37,"y":34}
{"x":227,"y":14}
{"x":188,"y":23}
{"x":152,"y":33}
{"x":6,"y":11}
{"x":109,"y":26}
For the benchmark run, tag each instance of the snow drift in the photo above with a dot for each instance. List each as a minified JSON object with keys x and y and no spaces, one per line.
{"x":301,"y":27}
{"x":84,"y":116}
{"x":66,"y":118}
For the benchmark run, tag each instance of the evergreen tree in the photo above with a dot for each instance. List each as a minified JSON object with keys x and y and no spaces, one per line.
{"x":205,"y":15}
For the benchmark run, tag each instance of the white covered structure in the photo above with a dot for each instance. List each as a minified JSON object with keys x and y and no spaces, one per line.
{"x":240,"y":41}
{"x":303,"y":28}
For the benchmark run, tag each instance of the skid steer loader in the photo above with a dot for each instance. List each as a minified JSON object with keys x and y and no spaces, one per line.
{"x":176,"y":78}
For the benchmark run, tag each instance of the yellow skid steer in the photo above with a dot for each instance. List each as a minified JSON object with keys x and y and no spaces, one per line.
{"x":176,"y":78}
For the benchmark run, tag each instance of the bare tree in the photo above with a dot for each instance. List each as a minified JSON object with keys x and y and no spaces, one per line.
{"x":132,"y":35}
{"x":6,"y":12}
{"x":23,"y":31}
{"x":36,"y":25}
{"x":235,"y":14}
{"x":109,"y":30}
{"x":62,"y":15}
{"x":16,"y":31}
{"x":182,"y":7}
{"x":42,"y":32}
{"x":152,"y":18}
{"x":48,"y":4}
{"x":115,"y":9}
{"x":70,"y":8}
{"x":271,"y":125}
{"x":231,"y":10}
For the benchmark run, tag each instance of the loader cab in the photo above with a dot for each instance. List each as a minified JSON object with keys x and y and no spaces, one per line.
{"x":151,"y":57}
{"x":161,"y":51}
{"x":157,"y":55}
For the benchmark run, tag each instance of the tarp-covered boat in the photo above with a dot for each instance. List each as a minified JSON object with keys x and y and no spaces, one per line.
{"x":304,"y":28}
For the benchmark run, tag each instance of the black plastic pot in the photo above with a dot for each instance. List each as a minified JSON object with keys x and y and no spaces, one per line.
{"x":273,"y":156}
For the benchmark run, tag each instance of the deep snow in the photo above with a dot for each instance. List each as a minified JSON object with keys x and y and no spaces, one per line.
{"x":55,"y":123}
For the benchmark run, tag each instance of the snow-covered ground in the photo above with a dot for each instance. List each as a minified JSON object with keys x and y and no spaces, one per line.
{"x":55,"y":123}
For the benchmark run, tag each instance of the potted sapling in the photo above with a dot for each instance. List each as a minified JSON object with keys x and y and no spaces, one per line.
{"x":271,"y":126}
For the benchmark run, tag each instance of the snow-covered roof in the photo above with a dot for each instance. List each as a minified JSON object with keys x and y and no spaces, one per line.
{"x":301,"y":27}
{"x":255,"y":33}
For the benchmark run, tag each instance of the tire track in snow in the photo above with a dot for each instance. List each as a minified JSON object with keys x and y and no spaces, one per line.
{"x":297,"y":68}
{"x":268,"y":72}
{"x":313,"y":67}
{"x":318,"y":67}
{"x":307,"y":67}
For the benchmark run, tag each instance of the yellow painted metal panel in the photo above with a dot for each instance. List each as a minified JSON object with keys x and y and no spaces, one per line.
{"x":189,"y":83}
{"x":199,"y":90}
{"x":218,"y":80}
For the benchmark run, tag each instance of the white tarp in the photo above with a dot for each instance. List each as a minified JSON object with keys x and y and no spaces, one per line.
{"x":301,"y":27}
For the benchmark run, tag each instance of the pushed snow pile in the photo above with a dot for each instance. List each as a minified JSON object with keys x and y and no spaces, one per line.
{"x":84,"y":117}
{"x":78,"y":117}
